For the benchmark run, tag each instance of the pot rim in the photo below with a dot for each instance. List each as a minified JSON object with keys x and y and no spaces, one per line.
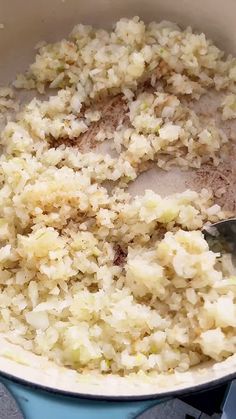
{"x":97,"y":397}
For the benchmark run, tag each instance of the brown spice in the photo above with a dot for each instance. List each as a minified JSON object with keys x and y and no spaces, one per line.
{"x":120,"y":256}
{"x":113,"y":111}
{"x":221,"y":180}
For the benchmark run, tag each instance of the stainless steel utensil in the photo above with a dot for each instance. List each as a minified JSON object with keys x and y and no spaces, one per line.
{"x":221,"y":236}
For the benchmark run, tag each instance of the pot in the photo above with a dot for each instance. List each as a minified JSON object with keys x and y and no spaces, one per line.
{"x":25,"y":24}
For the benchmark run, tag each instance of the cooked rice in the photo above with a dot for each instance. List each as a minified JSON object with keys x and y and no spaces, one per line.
{"x":229,"y":107}
{"x":91,"y":277}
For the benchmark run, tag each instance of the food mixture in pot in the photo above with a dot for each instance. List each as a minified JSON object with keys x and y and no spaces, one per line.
{"x":93,"y":277}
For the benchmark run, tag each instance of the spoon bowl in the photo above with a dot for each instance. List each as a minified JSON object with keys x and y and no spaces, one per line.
{"x":221,"y":236}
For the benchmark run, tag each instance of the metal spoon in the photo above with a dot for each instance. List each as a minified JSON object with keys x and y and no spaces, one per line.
{"x":221,"y":236}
